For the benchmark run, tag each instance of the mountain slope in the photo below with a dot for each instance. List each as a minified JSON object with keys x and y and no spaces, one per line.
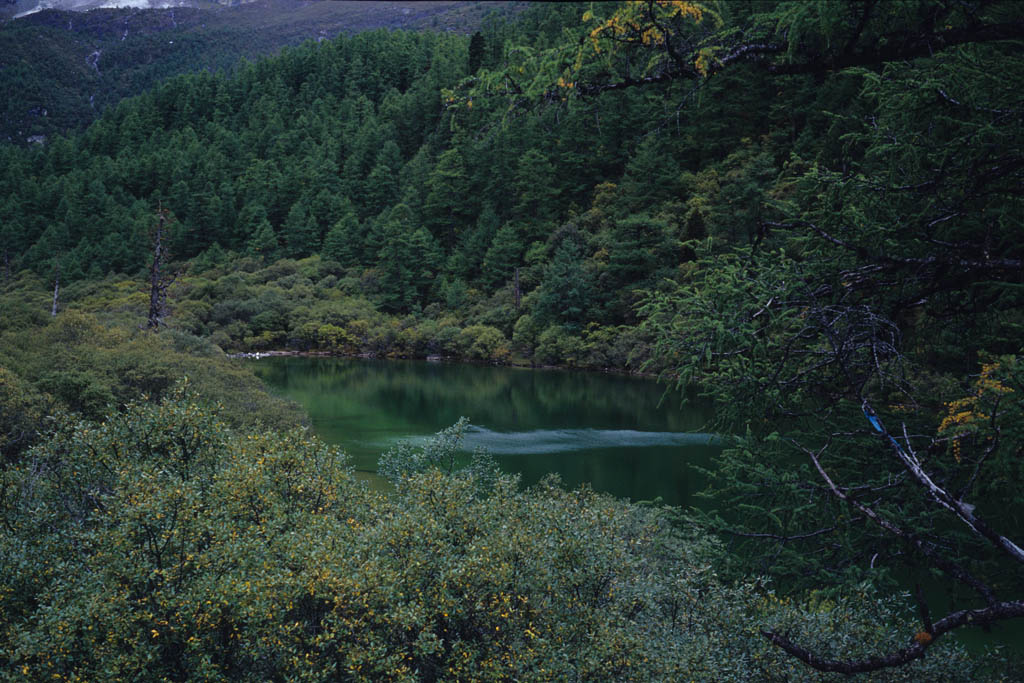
{"x":61,"y":68}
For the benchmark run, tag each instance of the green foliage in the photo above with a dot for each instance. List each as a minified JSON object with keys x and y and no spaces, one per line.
{"x":483,"y":342}
{"x":503,"y":257}
{"x":300,"y":232}
{"x":343,"y":241}
{"x":566,"y":294}
{"x":556,"y":345}
{"x":844,"y":345}
{"x":826,"y":224}
{"x":21,"y":413}
{"x":62,"y":69}
{"x":160,"y":544}
{"x":441,"y":453}
{"x":74,"y":363}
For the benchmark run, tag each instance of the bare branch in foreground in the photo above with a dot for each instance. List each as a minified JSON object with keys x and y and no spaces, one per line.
{"x":922,"y":640}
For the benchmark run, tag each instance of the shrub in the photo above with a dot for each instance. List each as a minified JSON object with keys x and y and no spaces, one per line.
{"x":524,"y":334}
{"x":482,"y":342}
{"x":557,"y":345}
{"x":161,"y":545}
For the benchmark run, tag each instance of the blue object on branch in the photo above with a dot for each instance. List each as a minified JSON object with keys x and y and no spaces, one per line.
{"x":877,"y":424}
{"x":873,"y":419}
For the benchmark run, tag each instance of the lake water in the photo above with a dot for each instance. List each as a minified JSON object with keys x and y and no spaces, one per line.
{"x":622,"y":435}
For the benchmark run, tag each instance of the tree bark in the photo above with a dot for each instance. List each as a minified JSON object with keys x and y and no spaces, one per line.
{"x":56,"y":291}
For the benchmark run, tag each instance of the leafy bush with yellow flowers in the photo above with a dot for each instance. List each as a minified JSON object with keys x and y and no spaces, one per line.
{"x":162,"y":545}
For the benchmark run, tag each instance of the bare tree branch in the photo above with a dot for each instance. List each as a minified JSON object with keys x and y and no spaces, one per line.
{"x":911,"y":539}
{"x":962,"y":510}
{"x":922,"y":640}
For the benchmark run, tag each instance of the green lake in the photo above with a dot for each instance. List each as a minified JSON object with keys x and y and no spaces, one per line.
{"x":622,"y":435}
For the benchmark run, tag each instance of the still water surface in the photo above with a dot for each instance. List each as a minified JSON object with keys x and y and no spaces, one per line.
{"x":622,"y":435}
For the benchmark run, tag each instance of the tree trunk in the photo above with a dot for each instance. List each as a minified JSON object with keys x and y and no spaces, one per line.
{"x":56,"y":291}
{"x":158,"y":284}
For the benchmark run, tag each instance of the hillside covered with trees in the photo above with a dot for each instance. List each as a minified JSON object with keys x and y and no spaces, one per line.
{"x":806,"y":212}
{"x":60,"y":69}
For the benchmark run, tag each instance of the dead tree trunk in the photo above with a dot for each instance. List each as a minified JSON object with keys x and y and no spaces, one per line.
{"x":56,"y":290}
{"x":516,"y":293}
{"x":158,"y":283}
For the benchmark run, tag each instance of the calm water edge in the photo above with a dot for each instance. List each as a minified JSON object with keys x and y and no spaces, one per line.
{"x":622,"y":435}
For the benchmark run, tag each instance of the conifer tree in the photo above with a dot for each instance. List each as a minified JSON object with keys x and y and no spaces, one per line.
{"x":503,"y":256}
{"x":264,"y":242}
{"x":300,"y":232}
{"x":537,"y":188}
{"x":344,"y":241}
{"x":566,"y":293}
{"x":447,"y":208}
{"x":477,"y":49}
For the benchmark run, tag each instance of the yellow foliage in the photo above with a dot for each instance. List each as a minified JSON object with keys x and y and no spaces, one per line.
{"x":703,"y":61}
{"x":645,"y":24}
{"x":965,"y":415}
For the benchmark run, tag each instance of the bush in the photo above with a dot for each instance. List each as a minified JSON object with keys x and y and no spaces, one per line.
{"x":524,"y":334}
{"x":190,"y":344}
{"x":21,"y":413}
{"x":164,"y":546}
{"x":81,"y":391}
{"x":558,"y":345}
{"x":482,"y":342}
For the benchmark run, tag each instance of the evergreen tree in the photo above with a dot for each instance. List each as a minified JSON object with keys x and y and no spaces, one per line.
{"x":636,"y":247}
{"x":536,"y":190}
{"x":413,"y":178}
{"x":395,"y":269}
{"x":448,"y":205}
{"x":263,"y":242}
{"x":566,"y":293}
{"x":477,"y":49}
{"x":503,"y":256}
{"x":652,"y":175}
{"x":344,"y":241}
{"x":382,"y":183}
{"x":300,"y":232}
{"x":426,"y":259}
{"x":467,"y":260}
{"x":326,"y":208}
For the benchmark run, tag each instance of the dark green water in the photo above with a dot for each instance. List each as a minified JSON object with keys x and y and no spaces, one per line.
{"x":619,"y":434}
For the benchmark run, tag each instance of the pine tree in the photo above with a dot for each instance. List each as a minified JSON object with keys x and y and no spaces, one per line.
{"x":448,"y":205}
{"x":467,"y":260}
{"x":477,"y":49}
{"x":502,"y":258}
{"x":394,"y":265}
{"x":300,"y":232}
{"x":426,"y":257}
{"x":382,"y":183}
{"x":652,"y":175}
{"x":344,"y":241}
{"x":566,"y":294}
{"x":536,"y":188}
{"x":264,"y":242}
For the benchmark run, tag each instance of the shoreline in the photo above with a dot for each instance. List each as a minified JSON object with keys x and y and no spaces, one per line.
{"x":522,"y":364}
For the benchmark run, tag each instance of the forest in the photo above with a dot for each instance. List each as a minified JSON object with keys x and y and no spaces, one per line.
{"x":806,"y":213}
